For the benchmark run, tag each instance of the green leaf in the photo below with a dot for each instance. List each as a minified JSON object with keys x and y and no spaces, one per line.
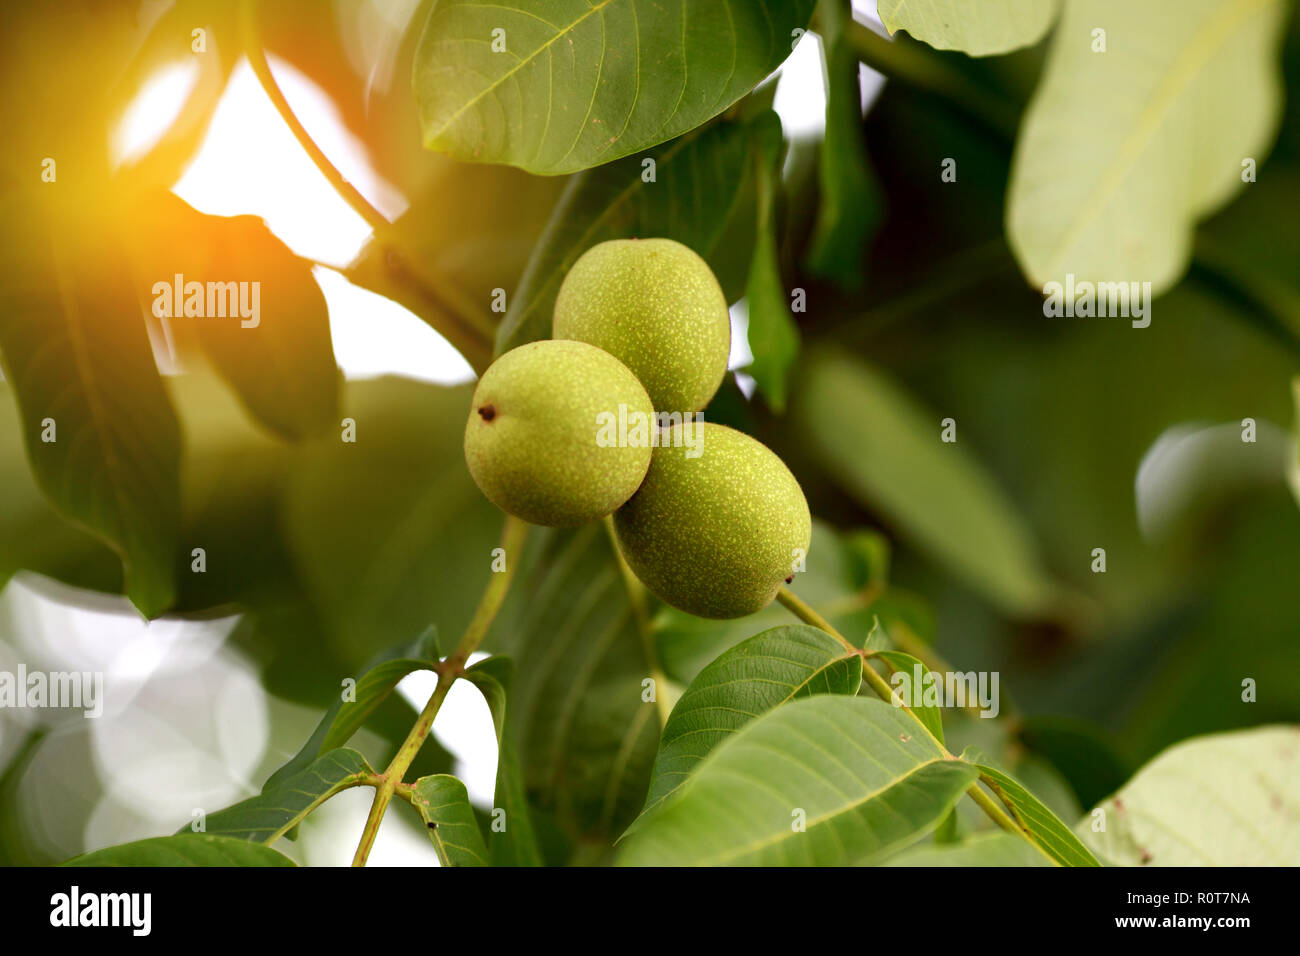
{"x":188,"y":849}
{"x":752,"y":678}
{"x":867,"y":782}
{"x":280,"y":358}
{"x":1113,"y":165}
{"x":870,"y":553}
{"x":1217,"y":800}
{"x":877,"y":639}
{"x":554,"y":86}
{"x":75,"y":350}
{"x":890,"y":457}
{"x":1041,"y":823}
{"x":773,"y":335}
{"x":982,"y":30}
{"x":343,"y":718}
{"x":701,"y":196}
{"x":980,"y":849}
{"x":849,"y":208}
{"x":443,"y":804}
{"x":32,"y":535}
{"x":516,"y":844}
{"x":898,"y":662}
{"x":277,"y":809}
{"x":577,"y":716}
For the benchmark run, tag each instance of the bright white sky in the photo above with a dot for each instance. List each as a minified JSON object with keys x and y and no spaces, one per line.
{"x":181,"y":674}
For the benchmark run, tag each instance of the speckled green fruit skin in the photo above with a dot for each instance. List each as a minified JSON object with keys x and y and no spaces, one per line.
{"x":531,"y":440}
{"x":715,"y":535}
{"x":655,"y":305}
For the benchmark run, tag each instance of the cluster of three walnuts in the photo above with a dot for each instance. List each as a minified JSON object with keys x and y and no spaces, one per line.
{"x":709,"y":519}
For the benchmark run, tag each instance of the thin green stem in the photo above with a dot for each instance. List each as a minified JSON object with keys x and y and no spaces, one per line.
{"x":997,"y":814}
{"x":513,"y":535}
{"x":262,"y":69}
{"x":882,"y":689}
{"x":637,"y":598}
{"x":909,"y":62}
{"x":464,"y":326}
{"x":400,"y":764}
{"x":391,"y":782}
{"x":806,"y":614}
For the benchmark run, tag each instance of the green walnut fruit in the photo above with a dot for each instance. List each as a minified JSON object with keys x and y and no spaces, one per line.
{"x":656,"y":305}
{"x":538,"y":441}
{"x":717,"y":534}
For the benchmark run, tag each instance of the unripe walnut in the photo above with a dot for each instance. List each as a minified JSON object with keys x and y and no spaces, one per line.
{"x":716,"y":535}
{"x":656,"y":306}
{"x":533,"y":443}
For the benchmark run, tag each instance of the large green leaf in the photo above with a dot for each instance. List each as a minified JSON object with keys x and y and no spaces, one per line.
{"x":866,"y":780}
{"x":443,"y":804}
{"x":578,"y":716}
{"x":76,"y":353}
{"x":186,"y":849}
{"x":885,"y":450}
{"x":32,"y":535}
{"x":1218,"y":800}
{"x":1033,"y":815}
{"x":701,"y":195}
{"x":1113,"y":164}
{"x":515,"y":844}
{"x":277,"y":809}
{"x":755,"y":676}
{"x":554,"y":86}
{"x":978,"y":29}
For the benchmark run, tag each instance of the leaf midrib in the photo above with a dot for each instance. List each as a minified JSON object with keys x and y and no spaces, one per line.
{"x":1186,"y":66}
{"x":472,"y":101}
{"x":850,"y":807}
